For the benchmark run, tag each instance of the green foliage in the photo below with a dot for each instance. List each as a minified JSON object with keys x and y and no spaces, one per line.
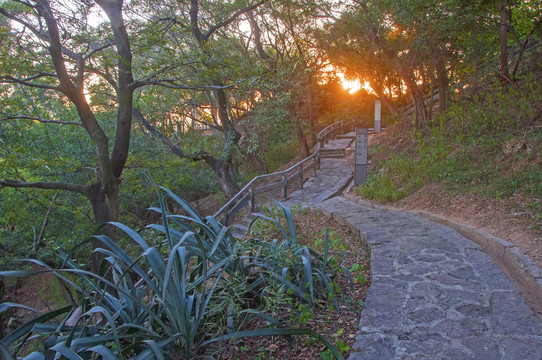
{"x":176,"y":293}
{"x":398,"y":178}
{"x":482,"y":145}
{"x":280,"y":154}
{"x":298,"y":270}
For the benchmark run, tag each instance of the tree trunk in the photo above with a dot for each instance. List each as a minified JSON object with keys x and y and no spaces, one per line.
{"x":105,"y":209}
{"x":504,"y":74}
{"x":225,"y":179}
{"x":311,"y":114}
{"x":416,"y":95}
{"x":38,"y":241}
{"x":305,"y":150}
{"x":442,"y":75}
{"x":418,"y":101}
{"x":385,"y":99}
{"x":231,"y":140}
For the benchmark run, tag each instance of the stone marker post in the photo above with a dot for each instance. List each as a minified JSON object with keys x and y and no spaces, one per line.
{"x":362,"y":145}
{"x":378,"y":115}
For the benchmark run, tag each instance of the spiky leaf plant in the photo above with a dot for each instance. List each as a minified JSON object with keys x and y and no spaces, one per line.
{"x":169,"y":297}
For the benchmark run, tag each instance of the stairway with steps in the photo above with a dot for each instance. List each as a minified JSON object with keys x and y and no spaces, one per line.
{"x":333,"y":161}
{"x":336,"y":148}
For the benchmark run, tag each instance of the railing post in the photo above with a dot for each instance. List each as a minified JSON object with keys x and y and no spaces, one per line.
{"x":378,"y":115}
{"x":284,"y":186}
{"x":252,"y":199}
{"x":226,"y":216}
{"x":317,"y":162}
{"x":314,"y":166}
{"x":301,"y":175}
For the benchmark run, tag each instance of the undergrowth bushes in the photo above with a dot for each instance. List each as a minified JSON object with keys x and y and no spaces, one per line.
{"x":489,"y":144}
{"x":180,"y":290}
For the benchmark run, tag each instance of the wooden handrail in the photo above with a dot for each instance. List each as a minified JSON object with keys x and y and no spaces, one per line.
{"x":247,"y":195}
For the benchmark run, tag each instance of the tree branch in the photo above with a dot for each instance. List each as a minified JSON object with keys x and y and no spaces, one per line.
{"x":202,"y":155}
{"x":98,"y":49}
{"x":194,"y":21}
{"x":257,"y":36}
{"x":44,"y":185}
{"x":106,"y":76}
{"x":39,"y":34}
{"x":45,"y":121}
{"x":172,"y":84}
{"x":232,"y":18}
{"x":12,"y":80}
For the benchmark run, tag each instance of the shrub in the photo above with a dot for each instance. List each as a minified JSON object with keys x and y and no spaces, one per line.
{"x":166,"y":298}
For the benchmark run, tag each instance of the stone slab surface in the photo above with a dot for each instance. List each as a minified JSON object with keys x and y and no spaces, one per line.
{"x":333,"y":176}
{"x":434,"y":293}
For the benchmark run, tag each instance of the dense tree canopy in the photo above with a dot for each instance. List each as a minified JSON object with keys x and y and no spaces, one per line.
{"x":201,"y":94}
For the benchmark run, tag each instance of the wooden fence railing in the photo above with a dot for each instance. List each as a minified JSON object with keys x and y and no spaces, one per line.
{"x":279,"y":180}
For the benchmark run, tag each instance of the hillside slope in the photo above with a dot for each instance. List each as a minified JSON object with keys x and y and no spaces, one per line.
{"x":479,"y":164}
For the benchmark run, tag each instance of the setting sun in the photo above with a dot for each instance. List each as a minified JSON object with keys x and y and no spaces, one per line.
{"x":351,"y":85}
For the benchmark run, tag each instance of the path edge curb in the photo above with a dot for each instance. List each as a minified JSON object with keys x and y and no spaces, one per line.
{"x":524,"y":274}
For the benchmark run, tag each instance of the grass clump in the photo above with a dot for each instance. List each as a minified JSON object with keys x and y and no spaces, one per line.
{"x":488,"y":144}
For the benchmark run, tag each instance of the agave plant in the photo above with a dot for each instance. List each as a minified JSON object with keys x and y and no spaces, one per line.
{"x":298,"y":269}
{"x":159,"y":303}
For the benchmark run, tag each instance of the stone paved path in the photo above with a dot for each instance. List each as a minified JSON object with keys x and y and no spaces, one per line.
{"x":434,"y":294}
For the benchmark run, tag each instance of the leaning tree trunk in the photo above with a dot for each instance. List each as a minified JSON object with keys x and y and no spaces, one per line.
{"x":416,"y":95}
{"x":231,"y":140}
{"x":422,"y":118}
{"x":302,"y":138}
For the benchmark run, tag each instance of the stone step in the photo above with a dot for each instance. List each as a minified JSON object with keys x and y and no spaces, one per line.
{"x":333,"y":151}
{"x":240,"y":229}
{"x":332,"y":156}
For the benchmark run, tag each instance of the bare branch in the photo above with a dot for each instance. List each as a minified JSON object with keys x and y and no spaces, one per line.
{"x":194,"y":21}
{"x":26,"y":24}
{"x":45,"y":121}
{"x":25,"y":3}
{"x":13,"y":80}
{"x":98,"y":49}
{"x":39,"y":34}
{"x":213,"y":126}
{"x":232,"y":18}
{"x":257,"y":35}
{"x":44,"y":185}
{"x":172,"y":84}
{"x":174,"y":148}
{"x":106,"y":76}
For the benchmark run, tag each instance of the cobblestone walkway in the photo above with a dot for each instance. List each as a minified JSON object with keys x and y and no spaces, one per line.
{"x":434,"y":294}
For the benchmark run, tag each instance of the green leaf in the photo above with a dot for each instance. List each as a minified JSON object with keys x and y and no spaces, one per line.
{"x":104,"y":352}
{"x":67,"y":352}
{"x":8,"y":305}
{"x":26,"y":328}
